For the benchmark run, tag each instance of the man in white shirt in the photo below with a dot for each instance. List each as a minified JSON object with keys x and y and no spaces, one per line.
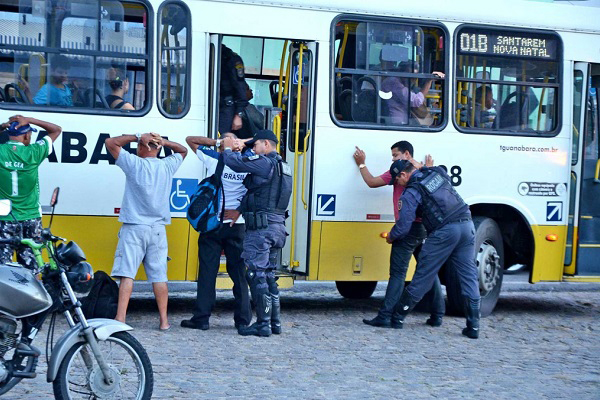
{"x":228,"y":238}
{"x":144,"y":213}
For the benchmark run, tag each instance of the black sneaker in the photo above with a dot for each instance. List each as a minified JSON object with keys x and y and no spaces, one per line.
{"x":188,"y":323}
{"x":471,"y":333}
{"x":434,"y":321}
{"x":379,"y":322}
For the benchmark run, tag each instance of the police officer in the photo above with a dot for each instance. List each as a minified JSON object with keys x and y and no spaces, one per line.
{"x":233,"y":98}
{"x":269,"y":185}
{"x":451,"y":238}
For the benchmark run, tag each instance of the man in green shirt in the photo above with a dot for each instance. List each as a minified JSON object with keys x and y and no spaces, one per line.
{"x":19,"y":182}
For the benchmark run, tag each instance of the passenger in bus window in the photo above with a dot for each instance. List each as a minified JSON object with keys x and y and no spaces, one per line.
{"x":119,"y":84}
{"x":56,"y":92}
{"x":396,"y":91}
{"x":484,"y":109}
{"x":233,"y":98}
{"x":403,"y":249}
{"x":144,"y":214}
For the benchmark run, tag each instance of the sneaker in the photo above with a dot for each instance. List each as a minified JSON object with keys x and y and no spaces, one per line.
{"x":434,"y":321}
{"x":378,"y":321}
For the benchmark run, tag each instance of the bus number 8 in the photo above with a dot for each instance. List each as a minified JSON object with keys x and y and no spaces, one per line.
{"x":454,"y":173}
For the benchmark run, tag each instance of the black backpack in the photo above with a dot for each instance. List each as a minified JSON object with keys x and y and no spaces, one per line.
{"x":203,"y":212}
{"x":103,"y":298}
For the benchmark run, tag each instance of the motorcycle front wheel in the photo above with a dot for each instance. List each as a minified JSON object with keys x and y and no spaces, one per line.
{"x":80,"y":376}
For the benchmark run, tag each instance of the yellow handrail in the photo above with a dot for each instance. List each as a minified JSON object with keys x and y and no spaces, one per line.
{"x":294,"y":263}
{"x":597,"y":175}
{"x":304,"y":167}
{"x":279,"y":88}
{"x":343,"y":48}
{"x":277,"y":130}
{"x":286,"y":89}
{"x":473,"y":99}
{"x":541,"y":104}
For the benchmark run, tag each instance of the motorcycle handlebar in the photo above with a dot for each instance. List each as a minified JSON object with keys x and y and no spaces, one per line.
{"x":13,"y":241}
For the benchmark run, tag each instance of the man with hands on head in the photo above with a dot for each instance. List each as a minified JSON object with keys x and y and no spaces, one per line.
{"x":404,"y":248}
{"x":19,"y":182}
{"x":228,"y":238}
{"x":144,"y":213}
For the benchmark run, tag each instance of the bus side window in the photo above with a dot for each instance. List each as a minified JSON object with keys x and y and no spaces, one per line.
{"x":384,"y":75}
{"x":174,"y":35}
{"x":58,"y":54}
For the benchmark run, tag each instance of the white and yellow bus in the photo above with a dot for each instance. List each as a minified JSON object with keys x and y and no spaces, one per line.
{"x":526,"y":160}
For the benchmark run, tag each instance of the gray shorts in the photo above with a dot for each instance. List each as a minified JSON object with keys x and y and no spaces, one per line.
{"x":141,"y":243}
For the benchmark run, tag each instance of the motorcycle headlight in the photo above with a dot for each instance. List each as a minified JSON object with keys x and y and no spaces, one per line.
{"x":81,"y":276}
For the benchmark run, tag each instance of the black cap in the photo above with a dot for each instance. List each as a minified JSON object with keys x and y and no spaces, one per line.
{"x":264,"y":134}
{"x":397,"y":167}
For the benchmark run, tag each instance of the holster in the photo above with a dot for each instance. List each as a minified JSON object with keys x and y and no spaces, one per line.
{"x":256,"y":221}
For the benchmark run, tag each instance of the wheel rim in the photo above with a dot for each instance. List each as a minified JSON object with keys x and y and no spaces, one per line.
{"x":488,"y":266}
{"x":84,"y":378}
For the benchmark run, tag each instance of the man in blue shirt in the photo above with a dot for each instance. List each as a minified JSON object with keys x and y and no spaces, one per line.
{"x":451,"y":238}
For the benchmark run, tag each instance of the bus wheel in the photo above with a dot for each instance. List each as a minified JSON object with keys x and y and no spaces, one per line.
{"x":489,"y":259}
{"x":356,"y":290}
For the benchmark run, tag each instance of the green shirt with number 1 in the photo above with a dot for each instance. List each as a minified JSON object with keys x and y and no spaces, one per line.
{"x":19,"y":179}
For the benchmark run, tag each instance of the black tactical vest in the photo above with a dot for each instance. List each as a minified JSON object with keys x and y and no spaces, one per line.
{"x":272,"y":194}
{"x":441,"y":203}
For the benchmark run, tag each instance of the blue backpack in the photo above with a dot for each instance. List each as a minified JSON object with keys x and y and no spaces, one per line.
{"x":203,"y":212}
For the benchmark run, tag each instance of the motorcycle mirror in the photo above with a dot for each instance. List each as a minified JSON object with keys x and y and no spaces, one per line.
{"x":54,"y":199}
{"x":5,"y":207}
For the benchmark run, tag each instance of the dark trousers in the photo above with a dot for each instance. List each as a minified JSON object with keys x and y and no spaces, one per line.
{"x":453,"y":244}
{"x":226,"y":114}
{"x":230,"y":239}
{"x":402,"y":251}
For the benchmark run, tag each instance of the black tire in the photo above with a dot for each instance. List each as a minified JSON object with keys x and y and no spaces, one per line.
{"x":356,"y":290}
{"x":61,"y":385}
{"x":488,"y":245}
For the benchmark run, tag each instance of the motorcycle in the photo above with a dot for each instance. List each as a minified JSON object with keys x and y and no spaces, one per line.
{"x":96,"y":358}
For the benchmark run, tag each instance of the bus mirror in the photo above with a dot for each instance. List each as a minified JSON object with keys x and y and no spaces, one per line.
{"x":5,"y":207}
{"x":54,"y":199}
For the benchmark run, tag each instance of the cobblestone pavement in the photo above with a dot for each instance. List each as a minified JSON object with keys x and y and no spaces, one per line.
{"x":536,"y":345}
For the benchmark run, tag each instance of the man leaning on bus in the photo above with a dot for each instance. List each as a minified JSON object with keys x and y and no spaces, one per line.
{"x":144,"y":213}
{"x":19,"y":182}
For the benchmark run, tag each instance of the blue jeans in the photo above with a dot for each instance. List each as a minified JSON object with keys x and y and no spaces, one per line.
{"x":402,"y":250}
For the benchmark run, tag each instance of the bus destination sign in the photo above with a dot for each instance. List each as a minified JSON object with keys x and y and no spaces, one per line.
{"x":512,"y":45}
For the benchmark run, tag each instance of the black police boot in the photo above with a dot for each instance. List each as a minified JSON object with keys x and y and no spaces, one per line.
{"x":472,"y":314}
{"x":401,"y":310}
{"x":262,"y":326}
{"x":378,"y":321}
{"x":275,"y":314}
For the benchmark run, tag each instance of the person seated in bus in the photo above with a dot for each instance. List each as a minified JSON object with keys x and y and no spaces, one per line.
{"x":252,"y":119}
{"x":119,"y":85}
{"x":56,"y":92}
{"x":484,"y":116}
{"x":400,"y":98}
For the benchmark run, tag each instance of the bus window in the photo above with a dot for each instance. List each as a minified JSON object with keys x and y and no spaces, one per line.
{"x":384,"y":74}
{"x":507,"y":81}
{"x":174,"y":36}
{"x":79,"y":55}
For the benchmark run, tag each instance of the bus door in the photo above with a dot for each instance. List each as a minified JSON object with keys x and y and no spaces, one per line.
{"x":296,"y":146}
{"x":584,"y":213}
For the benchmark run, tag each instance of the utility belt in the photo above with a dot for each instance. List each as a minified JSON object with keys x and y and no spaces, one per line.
{"x":227,"y":101}
{"x":255,"y":220}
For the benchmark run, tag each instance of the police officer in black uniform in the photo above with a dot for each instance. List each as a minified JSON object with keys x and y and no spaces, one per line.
{"x":264,"y":206}
{"x":451,"y":238}
{"x":233,"y":99}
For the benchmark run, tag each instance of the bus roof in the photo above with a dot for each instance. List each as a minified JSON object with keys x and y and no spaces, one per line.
{"x":517,"y":13}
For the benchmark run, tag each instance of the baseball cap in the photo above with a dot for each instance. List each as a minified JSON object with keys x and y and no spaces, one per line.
{"x":14,"y":131}
{"x":263,"y":134}
{"x":397,"y":167}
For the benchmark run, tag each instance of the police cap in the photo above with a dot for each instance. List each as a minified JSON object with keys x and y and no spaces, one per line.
{"x":397,"y":167}
{"x":263,"y":134}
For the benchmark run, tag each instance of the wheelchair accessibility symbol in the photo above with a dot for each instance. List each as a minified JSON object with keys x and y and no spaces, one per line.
{"x":181,"y":192}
